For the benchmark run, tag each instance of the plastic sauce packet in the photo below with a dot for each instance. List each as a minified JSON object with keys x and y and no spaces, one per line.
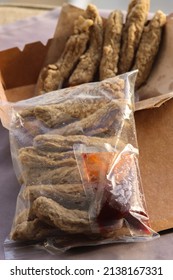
{"x":113,"y":186}
{"x":75,"y":154}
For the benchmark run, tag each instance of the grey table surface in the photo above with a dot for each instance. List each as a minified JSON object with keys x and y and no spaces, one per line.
{"x":161,"y":248}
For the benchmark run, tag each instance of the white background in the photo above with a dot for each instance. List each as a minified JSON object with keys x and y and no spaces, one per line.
{"x":98,"y":266}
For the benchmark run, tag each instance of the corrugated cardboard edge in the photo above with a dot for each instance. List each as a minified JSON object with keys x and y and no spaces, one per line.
{"x":160,"y":80}
{"x":31,"y":57}
{"x":155,"y":136}
{"x":154,"y":102}
{"x":158,"y":220}
{"x":4,"y":106}
{"x":13,"y":81}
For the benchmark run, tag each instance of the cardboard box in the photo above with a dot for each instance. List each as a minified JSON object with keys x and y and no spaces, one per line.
{"x":20,"y":71}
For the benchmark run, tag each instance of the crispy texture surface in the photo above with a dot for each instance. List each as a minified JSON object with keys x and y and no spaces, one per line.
{"x":95,"y":123}
{"x":133,"y":3}
{"x":149,"y":47}
{"x":71,"y":196}
{"x":51,"y":142}
{"x":51,"y":212}
{"x":53,"y":76}
{"x":117,"y":89}
{"x":89,"y":61}
{"x":30,"y":158}
{"x":132,"y":31}
{"x":41,"y":176}
{"x":79,"y":107}
{"x":111,"y":45}
{"x":32,"y":230}
{"x":23,"y":216}
{"x":52,"y":155}
{"x":69,"y":111}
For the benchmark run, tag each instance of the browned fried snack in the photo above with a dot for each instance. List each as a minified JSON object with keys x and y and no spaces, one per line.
{"x":111,"y":45}
{"x":121,"y":233}
{"x":52,"y":213}
{"x":71,"y":196}
{"x":53,"y":76}
{"x":69,"y":111}
{"x":55,"y":142}
{"x":90,"y":60}
{"x":32,"y":230}
{"x":133,"y":3}
{"x":149,"y":46}
{"x":132,"y":31}
{"x":23,"y":216}
{"x":61,"y":175}
{"x":56,"y":155}
{"x":95,"y":123}
{"x":29,"y":157}
{"x":76,"y":106}
{"x":116,"y":88}
{"x":28,"y":112}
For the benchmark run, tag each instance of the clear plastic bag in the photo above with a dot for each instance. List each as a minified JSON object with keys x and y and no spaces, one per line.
{"x":75,"y":154}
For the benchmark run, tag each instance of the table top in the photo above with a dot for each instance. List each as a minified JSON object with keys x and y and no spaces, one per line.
{"x":160,"y":248}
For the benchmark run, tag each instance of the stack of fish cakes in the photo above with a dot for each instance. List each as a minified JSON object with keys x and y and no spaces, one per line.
{"x":99,"y":49}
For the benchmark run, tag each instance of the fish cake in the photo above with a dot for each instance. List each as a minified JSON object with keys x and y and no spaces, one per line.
{"x":132,"y":31}
{"x":149,"y":47}
{"x":111,"y":45}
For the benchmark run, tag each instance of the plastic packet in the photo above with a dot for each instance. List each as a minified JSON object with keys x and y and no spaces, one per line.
{"x":75,"y":154}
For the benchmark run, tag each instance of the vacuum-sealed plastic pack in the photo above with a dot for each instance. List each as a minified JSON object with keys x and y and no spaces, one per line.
{"x":75,"y":155}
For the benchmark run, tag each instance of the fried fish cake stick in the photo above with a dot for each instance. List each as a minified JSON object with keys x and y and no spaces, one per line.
{"x":41,"y":176}
{"x":29,"y":157}
{"x":51,"y":212}
{"x":90,"y":60}
{"x":71,"y":196}
{"x":23,"y":216}
{"x":95,"y":123}
{"x":133,"y":3}
{"x":53,"y":76}
{"x":54,"y":142}
{"x":33,"y":230}
{"x":111,"y":45}
{"x":73,"y":98}
{"x":132,"y":31}
{"x":55,"y":115}
{"x":149,"y":47}
{"x":54,"y":154}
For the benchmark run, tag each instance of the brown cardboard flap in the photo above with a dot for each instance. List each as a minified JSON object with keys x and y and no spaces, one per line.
{"x":155,"y":138}
{"x":153,"y":102}
{"x":160,"y":80}
{"x":19,"y":68}
{"x":63,"y":30}
{"x":20,"y":93}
